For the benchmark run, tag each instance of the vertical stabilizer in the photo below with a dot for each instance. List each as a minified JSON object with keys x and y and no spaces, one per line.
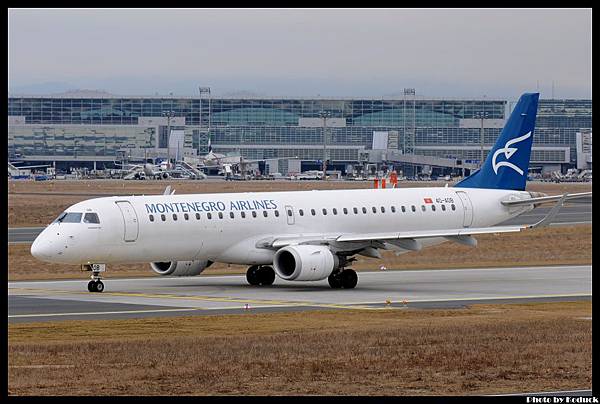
{"x":507,"y":163}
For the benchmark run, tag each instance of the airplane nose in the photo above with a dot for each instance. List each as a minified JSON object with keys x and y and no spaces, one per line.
{"x":41,"y":248}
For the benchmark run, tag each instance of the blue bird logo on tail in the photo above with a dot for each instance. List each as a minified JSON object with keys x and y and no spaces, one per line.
{"x":508,"y":152}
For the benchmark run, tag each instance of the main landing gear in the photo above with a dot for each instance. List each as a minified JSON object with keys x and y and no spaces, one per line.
{"x":344,"y":278}
{"x":260,"y":275}
{"x":95,"y":285}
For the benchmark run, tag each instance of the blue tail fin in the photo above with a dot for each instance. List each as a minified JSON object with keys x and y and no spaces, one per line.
{"x":508,"y":161}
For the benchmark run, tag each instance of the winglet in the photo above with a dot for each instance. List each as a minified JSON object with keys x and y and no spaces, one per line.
{"x":167,"y":190}
{"x":548,"y":218}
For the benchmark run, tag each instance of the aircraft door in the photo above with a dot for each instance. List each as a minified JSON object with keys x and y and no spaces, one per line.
{"x":130,"y":221}
{"x":289,"y":213}
{"x":467,"y":208}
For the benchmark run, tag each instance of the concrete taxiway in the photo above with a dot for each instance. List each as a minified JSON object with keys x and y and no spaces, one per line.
{"x":128,"y":298}
{"x":571,"y":214}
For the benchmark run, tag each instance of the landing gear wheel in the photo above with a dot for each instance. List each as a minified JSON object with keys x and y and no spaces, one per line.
{"x":335,"y":281}
{"x":91,"y":286}
{"x":252,"y":275}
{"x":349,"y":279}
{"x":266,"y":275}
{"x":99,"y":286}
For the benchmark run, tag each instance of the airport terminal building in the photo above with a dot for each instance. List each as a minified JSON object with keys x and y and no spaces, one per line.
{"x":98,"y":129}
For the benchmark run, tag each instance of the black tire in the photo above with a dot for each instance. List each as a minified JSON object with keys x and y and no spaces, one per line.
{"x":335,"y":281}
{"x":252,"y":275}
{"x":91,"y":286}
{"x":266,"y":275}
{"x":349,"y":279}
{"x":99,"y":286}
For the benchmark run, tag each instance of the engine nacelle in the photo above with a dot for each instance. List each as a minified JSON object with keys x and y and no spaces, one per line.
{"x":180,"y":268}
{"x":304,"y":263}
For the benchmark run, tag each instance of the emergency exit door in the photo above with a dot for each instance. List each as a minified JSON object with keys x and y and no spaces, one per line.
{"x":130,"y":221}
{"x":467,"y":208}
{"x":289,"y":213}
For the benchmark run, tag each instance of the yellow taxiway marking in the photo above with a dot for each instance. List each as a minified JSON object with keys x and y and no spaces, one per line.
{"x":88,"y":313}
{"x":225,"y":299}
{"x":291,"y":303}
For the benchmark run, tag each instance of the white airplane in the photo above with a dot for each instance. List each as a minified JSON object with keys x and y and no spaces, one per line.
{"x":301,"y":235}
{"x":160,"y":171}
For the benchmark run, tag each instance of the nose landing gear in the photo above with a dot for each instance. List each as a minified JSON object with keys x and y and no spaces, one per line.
{"x":95,"y":285}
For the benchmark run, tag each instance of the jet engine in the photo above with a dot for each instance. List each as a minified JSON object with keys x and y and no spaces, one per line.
{"x":180,"y":268}
{"x":304,"y":262}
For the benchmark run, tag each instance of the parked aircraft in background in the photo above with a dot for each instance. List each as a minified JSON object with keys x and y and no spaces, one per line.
{"x":300,"y":235}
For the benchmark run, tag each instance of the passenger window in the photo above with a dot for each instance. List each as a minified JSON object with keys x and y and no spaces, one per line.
{"x":151,"y":218}
{"x":413,"y":208}
{"x":163,"y":218}
{"x":220,"y":215}
{"x":301,"y":212}
{"x":209,"y":216}
{"x":374,"y":209}
{"x":231,"y":215}
{"x":265,"y":214}
{"x":433,"y":208}
{"x":355,"y":210}
{"x":453,"y":207}
{"x":443,"y":207}
{"x":364,"y":210}
{"x":334,"y":211}
{"x":324,"y":212}
{"x":197,"y":216}
{"x":382,"y":209}
{"x":276,"y":213}
{"x":174,"y":216}
{"x":253,"y":213}
{"x":312,"y":212}
{"x":403,"y":209}
{"x":186,"y":216}
{"x":243,"y":214}
{"x":93,"y":218}
{"x":345,"y":211}
{"x":423,"y":208}
{"x":393,"y":209}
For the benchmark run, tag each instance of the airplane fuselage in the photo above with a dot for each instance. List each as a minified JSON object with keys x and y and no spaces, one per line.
{"x":230,"y":227}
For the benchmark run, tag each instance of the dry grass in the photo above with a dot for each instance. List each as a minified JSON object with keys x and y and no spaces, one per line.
{"x":38,"y":210}
{"x":482,"y":350}
{"x":533,"y":247}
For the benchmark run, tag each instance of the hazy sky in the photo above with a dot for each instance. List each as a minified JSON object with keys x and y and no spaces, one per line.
{"x":299,"y":52}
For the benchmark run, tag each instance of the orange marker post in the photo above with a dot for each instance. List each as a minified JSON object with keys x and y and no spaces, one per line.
{"x":383,"y":183}
{"x":376,"y":183}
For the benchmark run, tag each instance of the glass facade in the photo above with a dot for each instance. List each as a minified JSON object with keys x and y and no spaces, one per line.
{"x":278,"y":128}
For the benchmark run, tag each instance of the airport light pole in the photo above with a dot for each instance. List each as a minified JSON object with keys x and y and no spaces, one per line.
{"x":324,"y":115}
{"x":482,"y":115}
{"x":169,"y":114}
{"x":203,"y":90}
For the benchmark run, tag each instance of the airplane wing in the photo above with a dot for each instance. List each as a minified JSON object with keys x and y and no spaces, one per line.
{"x":353,"y":238}
{"x":404,"y":239}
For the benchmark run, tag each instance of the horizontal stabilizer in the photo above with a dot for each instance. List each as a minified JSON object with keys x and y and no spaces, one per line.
{"x":546,"y":199}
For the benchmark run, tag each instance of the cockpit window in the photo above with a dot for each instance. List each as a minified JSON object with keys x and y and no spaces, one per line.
{"x":91,"y":218}
{"x":69,"y":217}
